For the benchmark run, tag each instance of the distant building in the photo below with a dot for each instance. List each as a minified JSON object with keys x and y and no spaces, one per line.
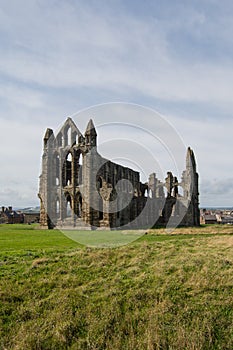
{"x":216,"y":216}
{"x":209,"y":219}
{"x":31,"y":218}
{"x":10,"y":216}
{"x":227,"y":220}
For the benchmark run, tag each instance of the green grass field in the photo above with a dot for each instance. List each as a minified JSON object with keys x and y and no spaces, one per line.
{"x":162,"y":291}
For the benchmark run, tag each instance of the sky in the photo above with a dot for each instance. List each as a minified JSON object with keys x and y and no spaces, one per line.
{"x":59,"y":57}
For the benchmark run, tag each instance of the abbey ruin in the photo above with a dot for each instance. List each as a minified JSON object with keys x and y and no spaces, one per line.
{"x":79,"y":188}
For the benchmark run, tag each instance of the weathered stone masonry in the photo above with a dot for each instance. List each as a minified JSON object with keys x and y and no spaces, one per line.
{"x":79,"y":188}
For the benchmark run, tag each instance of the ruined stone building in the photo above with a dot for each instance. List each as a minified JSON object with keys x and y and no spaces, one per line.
{"x":79,"y":188}
{"x":10,"y":216}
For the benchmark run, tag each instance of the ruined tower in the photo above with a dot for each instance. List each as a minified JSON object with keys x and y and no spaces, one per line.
{"x":190,"y":190}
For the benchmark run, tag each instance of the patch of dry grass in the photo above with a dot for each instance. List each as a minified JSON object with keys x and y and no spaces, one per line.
{"x":39,"y":261}
{"x":161,"y":292}
{"x":204,"y":229}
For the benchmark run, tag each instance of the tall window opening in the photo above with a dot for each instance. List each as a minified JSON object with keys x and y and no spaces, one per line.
{"x":69,"y":133}
{"x":101,"y":214}
{"x":79,"y":205}
{"x":68,"y":206}
{"x":68,"y":169}
{"x":80,"y":159}
{"x":59,"y":140}
{"x":57,"y":208}
{"x":180,"y":190}
{"x":57,"y":165}
{"x":74,"y":138}
{"x":99,"y":185}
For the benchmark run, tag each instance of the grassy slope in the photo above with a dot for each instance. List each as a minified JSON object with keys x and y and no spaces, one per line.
{"x":164,"y":291}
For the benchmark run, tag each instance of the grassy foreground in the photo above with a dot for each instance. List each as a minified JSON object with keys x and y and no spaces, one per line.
{"x":163,"y":291}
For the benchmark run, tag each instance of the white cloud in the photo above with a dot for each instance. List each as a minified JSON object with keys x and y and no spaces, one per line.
{"x":20,"y":152}
{"x":85,"y":48}
{"x":24,"y":96}
{"x":217,"y":192}
{"x":49,"y":49}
